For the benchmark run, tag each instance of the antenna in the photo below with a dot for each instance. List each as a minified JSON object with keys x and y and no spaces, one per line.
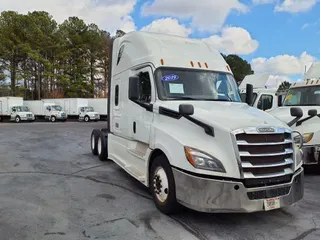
{"x":305,"y":72}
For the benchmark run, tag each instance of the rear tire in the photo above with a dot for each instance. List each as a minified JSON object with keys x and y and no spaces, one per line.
{"x":94,"y":141}
{"x":102,"y":146}
{"x":162,"y":186}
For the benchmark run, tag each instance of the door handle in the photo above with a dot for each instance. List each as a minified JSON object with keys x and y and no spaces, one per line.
{"x":134,"y":127}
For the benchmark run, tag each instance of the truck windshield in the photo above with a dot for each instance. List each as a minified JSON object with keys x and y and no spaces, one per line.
{"x":22,"y":109}
{"x":189,"y":84}
{"x":303,"y":96}
{"x":89,"y":109}
{"x":56,"y":108}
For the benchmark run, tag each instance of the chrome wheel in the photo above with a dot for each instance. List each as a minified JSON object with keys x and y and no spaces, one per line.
{"x":160,"y":184}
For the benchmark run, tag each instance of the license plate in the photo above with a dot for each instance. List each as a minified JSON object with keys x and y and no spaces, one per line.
{"x":271,"y":203}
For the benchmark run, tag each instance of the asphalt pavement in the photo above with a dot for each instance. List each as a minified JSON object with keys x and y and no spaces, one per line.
{"x":52,"y":187}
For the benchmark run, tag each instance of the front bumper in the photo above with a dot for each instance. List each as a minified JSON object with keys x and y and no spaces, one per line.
{"x":311,"y":155}
{"x":27,"y":118}
{"x":209,"y":195}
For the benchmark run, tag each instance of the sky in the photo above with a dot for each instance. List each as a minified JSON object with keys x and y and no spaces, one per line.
{"x":279,"y":37}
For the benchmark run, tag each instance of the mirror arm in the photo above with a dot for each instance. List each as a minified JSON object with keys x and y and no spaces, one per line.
{"x":147,"y":106}
{"x":207,"y":128}
{"x":303,"y":120}
{"x":292,"y":122}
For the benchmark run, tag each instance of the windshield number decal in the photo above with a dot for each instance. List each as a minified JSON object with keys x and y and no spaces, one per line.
{"x":170,"y":77}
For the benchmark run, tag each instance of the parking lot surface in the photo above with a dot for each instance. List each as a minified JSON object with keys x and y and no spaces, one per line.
{"x":52,"y":187}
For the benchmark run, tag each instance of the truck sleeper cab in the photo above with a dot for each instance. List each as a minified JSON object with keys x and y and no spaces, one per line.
{"x":177,"y":124}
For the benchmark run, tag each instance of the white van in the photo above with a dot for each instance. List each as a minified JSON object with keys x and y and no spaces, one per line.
{"x":177,"y":124}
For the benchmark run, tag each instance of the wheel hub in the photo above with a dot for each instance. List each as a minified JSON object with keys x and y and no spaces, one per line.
{"x":160,"y":184}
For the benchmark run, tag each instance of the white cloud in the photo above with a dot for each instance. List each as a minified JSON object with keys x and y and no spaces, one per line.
{"x":282,"y":64}
{"x":294,"y":6}
{"x":276,"y":80}
{"x":233,"y":40}
{"x":205,"y":15}
{"x":167,"y":26}
{"x":108,"y":14}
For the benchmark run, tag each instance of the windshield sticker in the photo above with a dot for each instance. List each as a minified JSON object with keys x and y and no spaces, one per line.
{"x":288,"y":97}
{"x":170,"y":77}
{"x":176,"y":88}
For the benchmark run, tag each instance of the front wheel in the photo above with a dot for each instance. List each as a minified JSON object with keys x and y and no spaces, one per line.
{"x":102,"y":146}
{"x":162,"y":186}
{"x":17,"y":119}
{"x":94,"y":141}
{"x":86,"y":118}
{"x":53,"y":119}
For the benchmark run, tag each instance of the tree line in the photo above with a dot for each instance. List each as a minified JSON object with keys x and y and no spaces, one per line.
{"x":40,"y":58}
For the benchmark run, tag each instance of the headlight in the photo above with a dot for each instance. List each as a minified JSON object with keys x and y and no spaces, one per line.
{"x":307,"y":137}
{"x":202,"y":160}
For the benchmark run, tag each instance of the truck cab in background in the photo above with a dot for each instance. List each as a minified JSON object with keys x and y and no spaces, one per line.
{"x":265,"y":98}
{"x":177,"y":124}
{"x":21,"y":113}
{"x":88,"y":114}
{"x":305,"y":95}
{"x":54,"y":112}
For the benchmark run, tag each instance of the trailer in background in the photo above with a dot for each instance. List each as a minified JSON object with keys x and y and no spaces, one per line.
{"x":77,"y":108}
{"x":13,"y":109}
{"x":46,"y":110}
{"x":100,"y":105}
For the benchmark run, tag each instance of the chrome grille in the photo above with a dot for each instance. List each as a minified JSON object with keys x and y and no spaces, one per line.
{"x":265,"y":154}
{"x":29,"y":115}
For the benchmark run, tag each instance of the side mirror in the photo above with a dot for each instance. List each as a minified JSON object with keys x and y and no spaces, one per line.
{"x":186,"y":109}
{"x":249,"y":94}
{"x":134,"y":88}
{"x":296,"y":112}
{"x":312,"y":112}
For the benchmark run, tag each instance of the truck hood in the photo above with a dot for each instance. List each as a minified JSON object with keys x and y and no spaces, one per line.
{"x":228,"y":115}
{"x":283,"y":113}
{"x":92,"y":113}
{"x":25,"y":113}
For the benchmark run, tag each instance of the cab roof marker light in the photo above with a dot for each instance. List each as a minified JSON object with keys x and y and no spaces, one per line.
{"x":228,"y":68}
{"x":317,"y":81}
{"x":162,"y":62}
{"x":312,"y":82}
{"x":199,"y":64}
{"x":206,"y":65}
{"x":191,"y":63}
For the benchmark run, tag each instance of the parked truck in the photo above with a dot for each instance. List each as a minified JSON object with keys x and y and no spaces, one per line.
{"x":265,"y":96}
{"x":100,"y":105}
{"x":12,"y":108}
{"x":77,"y":108}
{"x":47,"y":110}
{"x":177,"y":124}
{"x":305,"y":95}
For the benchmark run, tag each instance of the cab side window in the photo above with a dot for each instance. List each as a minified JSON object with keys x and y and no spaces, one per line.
{"x":145,"y":87}
{"x":265,"y":102}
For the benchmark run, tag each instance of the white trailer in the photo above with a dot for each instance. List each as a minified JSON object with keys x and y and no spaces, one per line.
{"x":305,"y":95}
{"x":176,"y":123}
{"x":13,"y":108}
{"x":100,"y":105}
{"x":47,"y":110}
{"x":265,"y":97}
{"x":77,"y":108}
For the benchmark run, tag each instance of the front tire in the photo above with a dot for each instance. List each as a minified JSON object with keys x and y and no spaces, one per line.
{"x":86,"y":119}
{"x":162,"y":186}
{"x":102,"y":146}
{"x":17,"y":119}
{"x":53,"y":119}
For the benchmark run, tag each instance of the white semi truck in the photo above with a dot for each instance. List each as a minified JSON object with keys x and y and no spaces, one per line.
{"x":305,"y":95}
{"x":14,"y":109}
{"x":77,"y":108}
{"x":47,"y":110}
{"x":177,"y":124}
{"x":265,"y":97}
